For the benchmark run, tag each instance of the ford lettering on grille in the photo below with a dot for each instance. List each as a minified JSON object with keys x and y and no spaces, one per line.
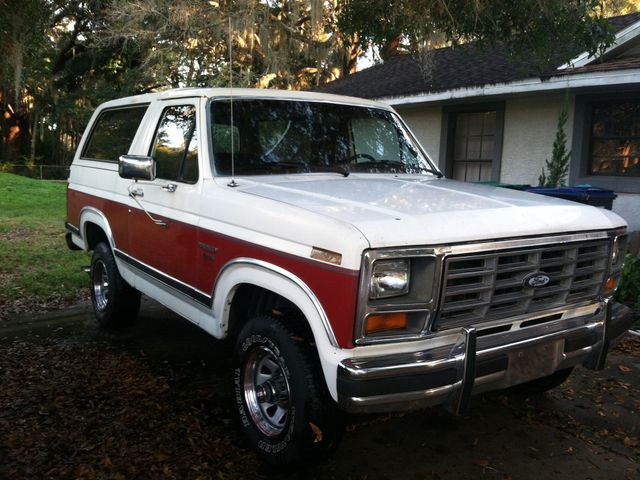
{"x":536,"y":280}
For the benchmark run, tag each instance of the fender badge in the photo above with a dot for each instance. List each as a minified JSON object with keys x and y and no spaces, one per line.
{"x":536,"y":280}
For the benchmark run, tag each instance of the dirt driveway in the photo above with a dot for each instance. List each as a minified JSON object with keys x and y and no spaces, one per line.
{"x":154,"y":402}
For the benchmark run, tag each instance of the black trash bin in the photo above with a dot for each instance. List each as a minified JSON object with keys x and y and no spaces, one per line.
{"x":594,"y":196}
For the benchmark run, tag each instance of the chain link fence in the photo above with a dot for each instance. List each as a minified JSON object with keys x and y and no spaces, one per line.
{"x":43,"y":172}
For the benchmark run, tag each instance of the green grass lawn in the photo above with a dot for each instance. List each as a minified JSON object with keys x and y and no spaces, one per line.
{"x":37,"y":270}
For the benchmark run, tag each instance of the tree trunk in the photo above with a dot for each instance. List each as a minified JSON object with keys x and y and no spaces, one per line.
{"x":34,"y":136}
{"x":18,"y":59}
{"x":352,"y":52}
{"x":4,"y":127}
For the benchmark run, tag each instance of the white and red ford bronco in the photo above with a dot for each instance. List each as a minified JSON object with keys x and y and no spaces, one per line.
{"x":315,"y":232}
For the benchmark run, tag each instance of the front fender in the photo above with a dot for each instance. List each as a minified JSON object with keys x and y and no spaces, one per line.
{"x":273,"y":278}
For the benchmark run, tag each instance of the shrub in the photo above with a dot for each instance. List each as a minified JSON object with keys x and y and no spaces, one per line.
{"x":555,"y":171}
{"x":629,"y":291}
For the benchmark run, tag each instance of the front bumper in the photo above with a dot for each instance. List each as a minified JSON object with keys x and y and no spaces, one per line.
{"x":479,"y":360}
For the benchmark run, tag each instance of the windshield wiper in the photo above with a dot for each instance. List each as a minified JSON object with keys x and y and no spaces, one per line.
{"x":383,"y":164}
{"x":286,"y":165}
{"x":430,"y":170}
{"x":341,"y":169}
{"x":396,"y":164}
{"x":389,"y":165}
{"x":305,"y":167}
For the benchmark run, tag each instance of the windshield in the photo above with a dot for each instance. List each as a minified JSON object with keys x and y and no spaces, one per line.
{"x":279,"y":136}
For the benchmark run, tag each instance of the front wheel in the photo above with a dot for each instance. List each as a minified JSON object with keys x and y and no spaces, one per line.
{"x":284,"y":408}
{"x":115,"y":302}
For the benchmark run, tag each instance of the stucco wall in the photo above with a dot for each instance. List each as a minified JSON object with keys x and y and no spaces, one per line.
{"x":425,"y":123}
{"x":530,"y":125}
{"x":627,"y":205}
{"x":529,"y":132}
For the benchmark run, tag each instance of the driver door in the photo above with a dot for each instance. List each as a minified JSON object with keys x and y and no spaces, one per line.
{"x":162,"y":223}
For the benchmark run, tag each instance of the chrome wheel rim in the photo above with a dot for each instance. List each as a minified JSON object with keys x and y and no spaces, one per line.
{"x":266,"y":391}
{"x":100,"y":285}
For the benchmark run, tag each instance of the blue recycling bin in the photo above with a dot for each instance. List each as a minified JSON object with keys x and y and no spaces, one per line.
{"x":513,"y":186}
{"x":594,"y":196}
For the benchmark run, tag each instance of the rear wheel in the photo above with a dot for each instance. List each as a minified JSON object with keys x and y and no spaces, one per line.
{"x":284,"y":408}
{"x":541,"y":385}
{"x":115,"y":302}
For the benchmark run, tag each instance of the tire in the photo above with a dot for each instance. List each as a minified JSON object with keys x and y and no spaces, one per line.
{"x":115,"y":302}
{"x":284,"y":409}
{"x":541,"y":385}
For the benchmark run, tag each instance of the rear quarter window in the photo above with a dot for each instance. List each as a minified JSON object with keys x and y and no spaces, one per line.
{"x":113,"y":132}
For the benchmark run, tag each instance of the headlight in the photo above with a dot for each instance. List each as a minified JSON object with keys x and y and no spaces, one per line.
{"x":397,"y":294}
{"x":389,"y":278}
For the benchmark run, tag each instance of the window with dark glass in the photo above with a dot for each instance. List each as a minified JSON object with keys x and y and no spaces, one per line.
{"x":175,"y":147}
{"x":113,"y":133}
{"x":615,"y":139}
{"x":276,"y":136}
{"x":474,"y":146}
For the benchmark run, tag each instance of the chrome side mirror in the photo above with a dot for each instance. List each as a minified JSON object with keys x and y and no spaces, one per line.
{"x":137,"y":167}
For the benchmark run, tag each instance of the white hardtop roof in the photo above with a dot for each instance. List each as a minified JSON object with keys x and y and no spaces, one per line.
{"x":243,"y":93}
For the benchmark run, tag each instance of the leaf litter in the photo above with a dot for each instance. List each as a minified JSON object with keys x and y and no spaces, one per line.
{"x":71,"y":409}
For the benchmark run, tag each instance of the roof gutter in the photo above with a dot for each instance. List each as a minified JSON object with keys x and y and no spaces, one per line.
{"x":529,"y":85}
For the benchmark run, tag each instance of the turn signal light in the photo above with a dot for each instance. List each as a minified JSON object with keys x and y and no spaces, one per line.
{"x":326,"y":255}
{"x":386,"y":321}
{"x":611,"y":285}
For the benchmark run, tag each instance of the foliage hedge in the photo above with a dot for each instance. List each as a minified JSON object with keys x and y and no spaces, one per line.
{"x":630,"y":286}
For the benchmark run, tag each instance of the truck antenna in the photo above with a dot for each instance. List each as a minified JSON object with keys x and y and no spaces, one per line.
{"x":233,"y":182}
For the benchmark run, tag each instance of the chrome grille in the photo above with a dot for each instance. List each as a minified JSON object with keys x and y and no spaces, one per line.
{"x":489,"y":286}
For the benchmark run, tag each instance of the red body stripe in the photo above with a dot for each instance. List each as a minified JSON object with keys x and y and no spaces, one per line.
{"x":176,"y":252}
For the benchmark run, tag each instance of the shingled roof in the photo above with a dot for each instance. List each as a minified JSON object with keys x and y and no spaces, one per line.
{"x":461,"y":67}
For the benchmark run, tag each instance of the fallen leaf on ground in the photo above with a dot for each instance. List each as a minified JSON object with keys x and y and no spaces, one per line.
{"x":316,"y":432}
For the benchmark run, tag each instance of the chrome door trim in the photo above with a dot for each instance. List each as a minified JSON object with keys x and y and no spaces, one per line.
{"x":172,"y":282}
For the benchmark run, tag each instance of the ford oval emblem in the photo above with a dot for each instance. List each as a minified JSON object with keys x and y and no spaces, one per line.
{"x":536,"y":280}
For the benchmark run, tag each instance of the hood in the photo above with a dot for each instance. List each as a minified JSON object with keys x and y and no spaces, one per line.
{"x":395,"y":210}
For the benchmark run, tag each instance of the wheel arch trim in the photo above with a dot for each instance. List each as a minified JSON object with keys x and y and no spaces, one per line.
{"x":226,"y":286}
{"x":93,"y":215}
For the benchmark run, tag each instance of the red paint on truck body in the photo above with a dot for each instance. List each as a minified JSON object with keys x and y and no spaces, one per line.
{"x":177,"y":251}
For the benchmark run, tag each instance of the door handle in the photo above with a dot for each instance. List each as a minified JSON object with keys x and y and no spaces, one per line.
{"x":170,"y":187}
{"x":135,"y":192}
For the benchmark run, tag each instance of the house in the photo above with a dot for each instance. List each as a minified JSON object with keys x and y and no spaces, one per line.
{"x":482,"y":117}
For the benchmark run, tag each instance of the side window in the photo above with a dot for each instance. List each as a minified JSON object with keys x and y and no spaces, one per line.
{"x":113,"y":133}
{"x":175,"y":147}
